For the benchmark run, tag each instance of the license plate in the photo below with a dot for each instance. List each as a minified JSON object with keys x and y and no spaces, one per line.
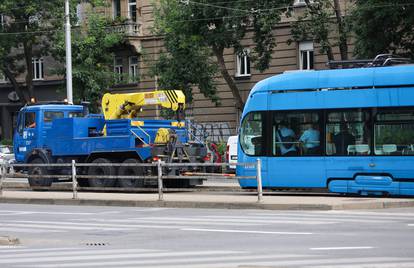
{"x":234,"y":157}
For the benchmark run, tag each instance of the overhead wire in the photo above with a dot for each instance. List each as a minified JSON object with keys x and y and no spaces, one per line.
{"x":189,"y":20}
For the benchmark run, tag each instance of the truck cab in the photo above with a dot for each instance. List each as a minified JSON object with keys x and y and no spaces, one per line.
{"x":33,"y":123}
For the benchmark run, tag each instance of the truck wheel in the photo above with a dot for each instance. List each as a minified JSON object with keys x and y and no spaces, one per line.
{"x":36,"y":182}
{"x":101,"y":171}
{"x":131,"y":171}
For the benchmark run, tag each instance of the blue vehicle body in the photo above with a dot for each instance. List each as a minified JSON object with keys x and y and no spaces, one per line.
{"x":387,"y":88}
{"x":61,"y":133}
{"x":74,"y":136}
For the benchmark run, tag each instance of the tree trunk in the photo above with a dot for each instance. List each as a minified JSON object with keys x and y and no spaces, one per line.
{"x":28,"y":55}
{"x":16,"y":86}
{"x":218,"y":52}
{"x":343,"y":47}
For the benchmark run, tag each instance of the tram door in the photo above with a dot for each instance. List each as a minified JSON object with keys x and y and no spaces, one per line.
{"x":296,"y":158}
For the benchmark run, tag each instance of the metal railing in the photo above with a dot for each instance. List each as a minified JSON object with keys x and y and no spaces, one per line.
{"x":159,"y":166}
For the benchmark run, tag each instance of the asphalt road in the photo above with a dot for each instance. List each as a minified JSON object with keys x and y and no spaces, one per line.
{"x":82,"y":236}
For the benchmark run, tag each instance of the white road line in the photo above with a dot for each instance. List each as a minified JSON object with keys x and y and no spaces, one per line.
{"x":47,"y":212}
{"x":104,"y":226}
{"x":234,"y":219}
{"x":24,"y":249}
{"x":107,"y":256}
{"x":300,"y":219}
{"x":341,"y":248}
{"x":186,"y":260}
{"x":410,"y":224}
{"x":52,"y":226}
{"x":370,"y":265}
{"x":236,"y":261}
{"x":77,"y":252}
{"x":182,"y":222}
{"x":336,"y":215}
{"x":245,"y":231}
{"x":25,"y":230}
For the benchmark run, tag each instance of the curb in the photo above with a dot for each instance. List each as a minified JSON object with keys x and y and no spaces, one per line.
{"x":208,"y":205}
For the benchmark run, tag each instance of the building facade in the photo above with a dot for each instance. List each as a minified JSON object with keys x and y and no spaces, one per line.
{"x":142,"y":48}
{"x":219,"y":122}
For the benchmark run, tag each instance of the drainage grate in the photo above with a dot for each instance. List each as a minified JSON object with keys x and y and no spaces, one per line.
{"x":97,"y":244}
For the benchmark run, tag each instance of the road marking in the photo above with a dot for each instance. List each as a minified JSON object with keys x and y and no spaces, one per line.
{"x":76,"y":252}
{"x":341,"y":248}
{"x":42,"y":226}
{"x":370,"y":265}
{"x":231,"y":261}
{"x":47,"y":212}
{"x":169,"y":259}
{"x":245,"y":231}
{"x":24,"y":249}
{"x":299,"y":219}
{"x":182,"y":222}
{"x":410,"y":224}
{"x":234,"y":219}
{"x":25,"y":230}
{"x":22,"y":259}
{"x":88,"y":226}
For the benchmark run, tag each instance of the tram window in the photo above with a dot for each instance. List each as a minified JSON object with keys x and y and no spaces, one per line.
{"x":251,"y":134}
{"x":394,"y":132}
{"x":348,"y":133}
{"x":295,"y":134}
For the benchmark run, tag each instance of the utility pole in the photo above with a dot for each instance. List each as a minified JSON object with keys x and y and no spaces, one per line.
{"x":68,"y":54}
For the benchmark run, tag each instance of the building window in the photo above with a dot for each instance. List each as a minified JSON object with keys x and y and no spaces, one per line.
{"x":118,"y":68}
{"x":116,"y":5}
{"x":243,"y":63}
{"x":38,"y":68}
{"x":306,"y":55}
{"x":133,"y":68}
{"x":132,"y":10}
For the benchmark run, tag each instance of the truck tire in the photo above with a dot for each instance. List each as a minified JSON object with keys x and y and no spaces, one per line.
{"x":37,"y":182}
{"x":101,"y":171}
{"x":131,"y":171}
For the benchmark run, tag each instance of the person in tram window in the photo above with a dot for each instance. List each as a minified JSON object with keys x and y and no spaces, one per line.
{"x":343,"y":139}
{"x":286,"y":139}
{"x":311,"y":140}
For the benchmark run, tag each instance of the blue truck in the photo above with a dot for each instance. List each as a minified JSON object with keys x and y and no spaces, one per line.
{"x":60,"y":133}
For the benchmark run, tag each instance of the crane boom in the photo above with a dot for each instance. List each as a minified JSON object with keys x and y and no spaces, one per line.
{"x":127,"y":105}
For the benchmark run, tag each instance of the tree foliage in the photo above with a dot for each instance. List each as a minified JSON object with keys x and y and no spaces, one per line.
{"x":382,"y":26}
{"x":208,"y":27}
{"x":92,"y":58}
{"x":326,"y":24}
{"x":27,"y":32}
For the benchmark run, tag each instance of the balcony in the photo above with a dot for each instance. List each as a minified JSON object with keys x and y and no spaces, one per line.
{"x":129,"y":28}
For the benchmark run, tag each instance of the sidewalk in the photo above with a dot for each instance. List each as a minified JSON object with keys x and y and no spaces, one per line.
{"x":220,"y":200}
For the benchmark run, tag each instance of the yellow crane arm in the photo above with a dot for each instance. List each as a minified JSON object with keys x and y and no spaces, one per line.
{"x":128,"y":105}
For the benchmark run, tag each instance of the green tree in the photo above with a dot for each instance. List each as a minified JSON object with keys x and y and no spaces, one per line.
{"x":382,"y":26}
{"x":194,"y":31}
{"x":325,"y":23}
{"x":93,"y":44}
{"x":27,"y":32}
